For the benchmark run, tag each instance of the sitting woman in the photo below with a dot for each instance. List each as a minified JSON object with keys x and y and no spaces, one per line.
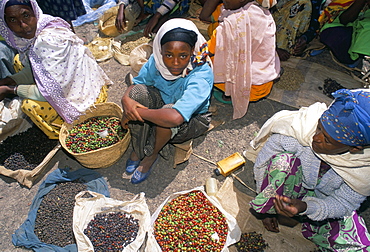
{"x":296,"y":25}
{"x":169,"y":99}
{"x":314,"y":166}
{"x":346,"y":30}
{"x":246,"y":66}
{"x":60,"y":78}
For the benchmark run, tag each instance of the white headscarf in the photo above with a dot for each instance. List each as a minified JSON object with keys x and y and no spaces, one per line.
{"x":64,"y":69}
{"x":167,"y":26}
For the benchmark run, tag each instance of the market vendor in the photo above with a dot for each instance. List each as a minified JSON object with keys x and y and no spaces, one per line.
{"x":60,"y":78}
{"x":169,"y":99}
{"x":315,"y":164}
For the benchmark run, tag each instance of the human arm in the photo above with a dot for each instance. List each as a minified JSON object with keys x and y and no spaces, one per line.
{"x":120,"y":18}
{"x":278,"y":143}
{"x":6,"y":90}
{"x":148,"y":30}
{"x":351,"y":14}
{"x":208,"y":8}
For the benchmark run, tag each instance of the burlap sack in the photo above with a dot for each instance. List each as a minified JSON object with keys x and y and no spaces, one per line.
{"x":107,"y":22}
{"x":101,"y":48}
{"x":86,"y":208}
{"x":26,"y":177}
{"x":139,"y":56}
{"x":104,"y":157}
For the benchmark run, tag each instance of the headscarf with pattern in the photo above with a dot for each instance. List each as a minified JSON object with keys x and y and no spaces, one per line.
{"x":347,"y":120}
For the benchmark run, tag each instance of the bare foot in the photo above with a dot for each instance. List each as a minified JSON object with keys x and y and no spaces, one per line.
{"x":146,"y":163}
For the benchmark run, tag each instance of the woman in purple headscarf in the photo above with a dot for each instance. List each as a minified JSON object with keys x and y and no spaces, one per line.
{"x":60,"y":78}
{"x":313,"y":165}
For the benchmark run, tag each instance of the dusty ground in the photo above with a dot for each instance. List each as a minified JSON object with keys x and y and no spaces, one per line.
{"x":230,"y":137}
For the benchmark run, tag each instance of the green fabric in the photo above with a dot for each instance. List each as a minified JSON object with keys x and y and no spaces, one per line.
{"x":360,"y":34}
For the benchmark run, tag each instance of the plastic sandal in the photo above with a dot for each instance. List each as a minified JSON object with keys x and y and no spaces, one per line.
{"x":218,"y":95}
{"x":131,"y":165}
{"x":139,"y":176}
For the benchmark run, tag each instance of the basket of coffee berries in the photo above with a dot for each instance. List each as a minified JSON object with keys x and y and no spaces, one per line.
{"x":96,"y":139}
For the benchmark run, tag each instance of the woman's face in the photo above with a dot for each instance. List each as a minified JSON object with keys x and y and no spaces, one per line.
{"x":176,"y":56}
{"x":324,"y":144}
{"x":21,"y":20}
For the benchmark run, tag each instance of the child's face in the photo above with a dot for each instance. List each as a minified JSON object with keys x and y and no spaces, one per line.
{"x":325,"y":144}
{"x":176,"y":56}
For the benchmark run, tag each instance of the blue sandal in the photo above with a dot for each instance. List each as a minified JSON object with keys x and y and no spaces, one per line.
{"x":139,"y":176}
{"x":131,"y":165}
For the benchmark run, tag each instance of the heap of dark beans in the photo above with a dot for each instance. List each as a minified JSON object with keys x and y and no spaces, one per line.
{"x":112,"y":231}
{"x":54,"y":219}
{"x":251,"y":242}
{"x":18,"y":161}
{"x":330,"y":86}
{"x":32,"y":144}
{"x":94,"y":133}
{"x":190,"y":222}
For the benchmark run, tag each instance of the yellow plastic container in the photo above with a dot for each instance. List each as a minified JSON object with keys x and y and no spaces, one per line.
{"x":229,"y":164}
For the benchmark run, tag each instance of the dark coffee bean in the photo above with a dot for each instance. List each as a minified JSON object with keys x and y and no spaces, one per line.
{"x":112,"y":231}
{"x":54,"y":219}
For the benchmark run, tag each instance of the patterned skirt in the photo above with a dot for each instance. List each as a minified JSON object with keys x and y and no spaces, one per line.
{"x":284,"y":177}
{"x":67,"y":9}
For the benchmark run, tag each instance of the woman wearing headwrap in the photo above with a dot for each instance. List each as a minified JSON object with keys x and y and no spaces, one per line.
{"x":61,"y":78}
{"x":169,"y":99}
{"x":315,"y":163}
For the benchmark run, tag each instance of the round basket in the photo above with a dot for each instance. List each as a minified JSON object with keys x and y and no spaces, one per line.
{"x":104,"y":157}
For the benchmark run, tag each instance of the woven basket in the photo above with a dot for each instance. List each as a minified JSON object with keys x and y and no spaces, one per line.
{"x":104,"y":157}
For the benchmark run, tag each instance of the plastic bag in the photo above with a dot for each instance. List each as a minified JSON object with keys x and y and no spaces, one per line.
{"x":86,"y":208}
{"x":25,"y":235}
{"x":233,"y":234}
{"x":139,"y":56}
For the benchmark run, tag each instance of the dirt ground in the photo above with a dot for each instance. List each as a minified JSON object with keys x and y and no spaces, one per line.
{"x":229,"y":137}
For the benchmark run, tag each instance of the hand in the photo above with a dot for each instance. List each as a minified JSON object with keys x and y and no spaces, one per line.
{"x":289,"y":207}
{"x":130,"y":112}
{"x":151,"y":24}
{"x":121,"y":19}
{"x":124,"y":122}
{"x":5,"y":90}
{"x":271,"y":224}
{"x":300,"y":45}
{"x":7,"y":82}
{"x":284,"y":55}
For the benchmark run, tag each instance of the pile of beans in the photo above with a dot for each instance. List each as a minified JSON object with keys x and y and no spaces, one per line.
{"x":251,"y":242}
{"x":112,"y":231}
{"x":18,"y":161}
{"x":54,"y":219}
{"x":32,"y":144}
{"x":94,"y":133}
{"x":190,"y":222}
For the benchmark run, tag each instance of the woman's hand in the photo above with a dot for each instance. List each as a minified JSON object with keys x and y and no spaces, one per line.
{"x":7,"y":82}
{"x":121,"y":19}
{"x":151,"y":24}
{"x":289,"y":207}
{"x":300,"y":45}
{"x":271,"y":224}
{"x":5,"y":90}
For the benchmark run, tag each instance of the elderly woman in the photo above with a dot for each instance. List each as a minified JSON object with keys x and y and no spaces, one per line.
{"x":315,"y":165}
{"x":170,"y":97}
{"x":60,"y":78}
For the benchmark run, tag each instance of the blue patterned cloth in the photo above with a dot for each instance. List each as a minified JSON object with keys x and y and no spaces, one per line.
{"x":347,"y":120}
{"x":67,"y":9}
